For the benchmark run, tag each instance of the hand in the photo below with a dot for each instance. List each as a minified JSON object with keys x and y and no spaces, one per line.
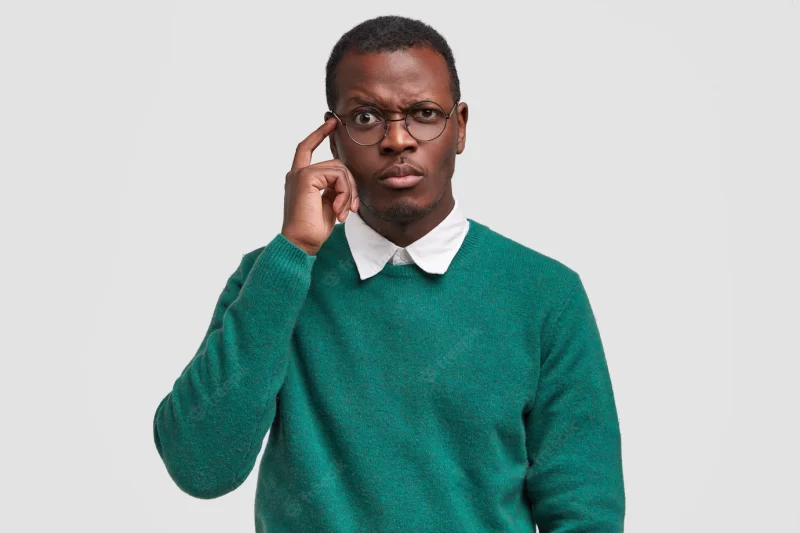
{"x":308,"y":216}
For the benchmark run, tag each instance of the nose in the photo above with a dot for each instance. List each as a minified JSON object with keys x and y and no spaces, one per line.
{"x":397,"y":138}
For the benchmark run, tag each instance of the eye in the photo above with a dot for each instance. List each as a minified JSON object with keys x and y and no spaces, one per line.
{"x":427,"y":114}
{"x":365,"y":117}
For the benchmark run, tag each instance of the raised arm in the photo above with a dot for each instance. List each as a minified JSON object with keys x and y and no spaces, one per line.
{"x":575,"y":480}
{"x":209,"y":429}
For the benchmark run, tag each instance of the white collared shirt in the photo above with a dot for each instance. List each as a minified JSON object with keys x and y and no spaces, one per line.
{"x":433,"y":252}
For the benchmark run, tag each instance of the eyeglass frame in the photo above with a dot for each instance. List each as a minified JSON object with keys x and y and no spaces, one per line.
{"x":386,"y":121}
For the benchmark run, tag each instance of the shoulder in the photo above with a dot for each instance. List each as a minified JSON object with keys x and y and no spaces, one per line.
{"x":532,"y":283}
{"x":527,"y":265}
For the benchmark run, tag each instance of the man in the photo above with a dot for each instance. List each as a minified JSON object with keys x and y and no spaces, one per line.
{"x":416,"y":370}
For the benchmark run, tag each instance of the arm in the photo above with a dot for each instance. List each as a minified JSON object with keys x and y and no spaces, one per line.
{"x":209,"y":429}
{"x":575,"y":478}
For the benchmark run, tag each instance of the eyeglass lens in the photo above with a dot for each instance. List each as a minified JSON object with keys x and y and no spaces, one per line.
{"x":425,"y":120}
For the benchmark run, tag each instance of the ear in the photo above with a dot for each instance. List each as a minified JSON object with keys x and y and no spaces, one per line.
{"x":334,"y":149}
{"x":462,"y":113}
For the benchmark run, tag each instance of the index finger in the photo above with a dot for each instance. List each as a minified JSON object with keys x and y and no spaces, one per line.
{"x":302,"y":156}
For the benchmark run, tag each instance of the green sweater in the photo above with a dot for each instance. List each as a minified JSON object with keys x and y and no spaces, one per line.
{"x":477,"y":400}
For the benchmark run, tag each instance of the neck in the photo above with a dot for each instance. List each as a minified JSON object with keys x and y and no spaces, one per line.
{"x":406,"y":233}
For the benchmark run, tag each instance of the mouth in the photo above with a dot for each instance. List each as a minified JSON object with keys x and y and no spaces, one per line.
{"x":401,"y":176}
{"x":401,"y":182}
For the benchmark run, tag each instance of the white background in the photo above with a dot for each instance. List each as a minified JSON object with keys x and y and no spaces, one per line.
{"x":651,"y":146}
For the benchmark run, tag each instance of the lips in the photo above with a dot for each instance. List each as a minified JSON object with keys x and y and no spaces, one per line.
{"x":400,"y":170}
{"x":401,"y":182}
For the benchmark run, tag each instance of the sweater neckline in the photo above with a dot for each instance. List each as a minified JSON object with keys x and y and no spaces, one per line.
{"x":473,"y":239}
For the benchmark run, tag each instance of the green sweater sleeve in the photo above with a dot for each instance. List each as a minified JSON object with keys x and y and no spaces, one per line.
{"x":209,"y":429}
{"x":575,"y":480}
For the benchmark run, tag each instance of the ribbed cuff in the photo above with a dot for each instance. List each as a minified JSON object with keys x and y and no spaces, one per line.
{"x":283,"y":264}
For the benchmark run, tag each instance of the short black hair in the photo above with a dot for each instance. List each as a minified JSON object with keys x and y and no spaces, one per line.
{"x":389,"y":33}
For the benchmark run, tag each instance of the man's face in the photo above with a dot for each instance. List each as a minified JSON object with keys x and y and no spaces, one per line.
{"x":393,"y":81}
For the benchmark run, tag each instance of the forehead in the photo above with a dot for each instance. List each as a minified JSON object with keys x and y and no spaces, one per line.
{"x":393,"y":79}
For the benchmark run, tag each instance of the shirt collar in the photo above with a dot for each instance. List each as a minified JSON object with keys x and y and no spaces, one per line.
{"x":433,"y":252}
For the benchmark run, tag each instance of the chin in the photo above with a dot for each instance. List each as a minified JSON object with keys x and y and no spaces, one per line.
{"x":404,"y":210}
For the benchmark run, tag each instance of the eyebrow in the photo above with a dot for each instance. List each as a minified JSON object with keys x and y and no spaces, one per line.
{"x":379,"y":105}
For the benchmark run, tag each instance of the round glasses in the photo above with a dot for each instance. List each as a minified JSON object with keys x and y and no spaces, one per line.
{"x":425,"y":121}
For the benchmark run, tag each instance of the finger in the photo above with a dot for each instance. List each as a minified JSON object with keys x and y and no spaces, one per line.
{"x":352,"y":202}
{"x":346,"y":199}
{"x":302,"y":156}
{"x":334,"y":177}
{"x":353,"y":205}
{"x":328,"y":197}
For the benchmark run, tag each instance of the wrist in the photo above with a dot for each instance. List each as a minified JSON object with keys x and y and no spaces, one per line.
{"x":310,"y":250}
